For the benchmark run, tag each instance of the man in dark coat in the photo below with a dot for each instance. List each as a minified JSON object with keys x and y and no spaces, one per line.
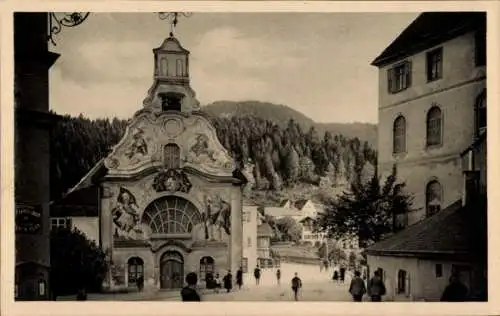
{"x":376,"y":287}
{"x":256,"y":274}
{"x":456,"y":291}
{"x":342,"y":274}
{"x":357,"y":288}
{"x":239,"y":277}
{"x":228,"y":281}
{"x":296,"y":285}
{"x":189,"y":292}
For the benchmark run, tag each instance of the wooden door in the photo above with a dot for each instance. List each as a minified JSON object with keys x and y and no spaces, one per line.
{"x":172,"y":274}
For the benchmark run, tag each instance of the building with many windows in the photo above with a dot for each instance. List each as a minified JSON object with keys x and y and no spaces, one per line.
{"x":432,"y":81}
{"x":251,"y":220}
{"x":432,"y":107}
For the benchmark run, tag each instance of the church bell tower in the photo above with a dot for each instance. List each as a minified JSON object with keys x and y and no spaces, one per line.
{"x":171,"y":90}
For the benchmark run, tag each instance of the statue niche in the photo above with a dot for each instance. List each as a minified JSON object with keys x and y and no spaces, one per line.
{"x":126,"y":216}
{"x":172,"y":180}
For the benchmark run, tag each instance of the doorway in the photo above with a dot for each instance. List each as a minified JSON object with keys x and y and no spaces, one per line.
{"x":171,"y":270}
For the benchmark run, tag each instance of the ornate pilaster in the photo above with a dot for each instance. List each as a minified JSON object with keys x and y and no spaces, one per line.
{"x":106,"y":227}
{"x":236,"y":238}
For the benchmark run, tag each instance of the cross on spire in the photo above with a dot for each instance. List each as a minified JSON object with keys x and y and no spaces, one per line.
{"x":173,"y":19}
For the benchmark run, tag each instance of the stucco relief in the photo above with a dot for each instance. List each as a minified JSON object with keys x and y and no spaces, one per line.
{"x":126,"y":217}
{"x":171,"y":181}
{"x":203,"y":153}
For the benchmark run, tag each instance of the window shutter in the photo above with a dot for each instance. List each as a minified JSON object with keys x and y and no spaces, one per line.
{"x":390,"y":74}
{"x":408,"y":73}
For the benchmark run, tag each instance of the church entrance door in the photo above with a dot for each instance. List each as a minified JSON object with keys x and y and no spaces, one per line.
{"x":171,"y":270}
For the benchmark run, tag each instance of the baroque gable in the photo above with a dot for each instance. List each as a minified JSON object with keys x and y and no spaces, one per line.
{"x":143,"y":145}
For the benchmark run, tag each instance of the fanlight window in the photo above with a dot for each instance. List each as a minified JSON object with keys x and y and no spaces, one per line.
{"x":171,"y":215}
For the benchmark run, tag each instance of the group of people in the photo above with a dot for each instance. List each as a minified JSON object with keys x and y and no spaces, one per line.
{"x":190,"y":292}
{"x":456,"y":291}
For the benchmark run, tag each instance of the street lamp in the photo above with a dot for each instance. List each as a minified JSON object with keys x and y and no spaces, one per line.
{"x":68,"y":19}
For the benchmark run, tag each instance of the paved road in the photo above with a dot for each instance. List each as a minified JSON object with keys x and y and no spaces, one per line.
{"x":317,"y":286}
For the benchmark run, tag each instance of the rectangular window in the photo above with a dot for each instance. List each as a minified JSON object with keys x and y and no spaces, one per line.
{"x":60,"y":222}
{"x":439,"y":270}
{"x":399,"y":77}
{"x":480,"y":51}
{"x":435,"y":64}
{"x":249,"y":241}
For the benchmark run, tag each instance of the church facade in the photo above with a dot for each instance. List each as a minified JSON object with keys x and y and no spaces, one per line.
{"x":170,"y":197}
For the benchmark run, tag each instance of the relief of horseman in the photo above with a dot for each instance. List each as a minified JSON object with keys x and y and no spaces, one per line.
{"x":125,"y":214}
{"x":219,"y":216}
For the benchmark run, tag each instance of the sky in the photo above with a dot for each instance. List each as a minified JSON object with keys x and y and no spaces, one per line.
{"x":316,"y":63}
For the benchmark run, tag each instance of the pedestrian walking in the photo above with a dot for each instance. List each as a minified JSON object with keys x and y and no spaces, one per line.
{"x":342,"y":274}
{"x":228,"y":281}
{"x":217,"y":283}
{"x":455,"y":291}
{"x":239,"y":278}
{"x":335,"y":276}
{"x":376,"y":287}
{"x":189,"y":292}
{"x":278,"y":276}
{"x":256,"y":274}
{"x":140,"y":283}
{"x":321,"y":266}
{"x":296,"y":286}
{"x":357,"y":287}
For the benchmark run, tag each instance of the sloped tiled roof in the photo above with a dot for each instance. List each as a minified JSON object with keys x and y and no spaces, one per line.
{"x":264,"y":230}
{"x":281,"y":211}
{"x":430,"y":29}
{"x":283,"y":203}
{"x":447,"y":232}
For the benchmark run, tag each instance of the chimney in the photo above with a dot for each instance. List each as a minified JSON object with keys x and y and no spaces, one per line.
{"x":471,"y":190}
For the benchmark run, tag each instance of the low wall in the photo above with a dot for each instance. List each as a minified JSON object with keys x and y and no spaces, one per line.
{"x":302,"y":260}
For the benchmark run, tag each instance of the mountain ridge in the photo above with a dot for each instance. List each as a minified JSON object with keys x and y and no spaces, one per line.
{"x":281,"y":114}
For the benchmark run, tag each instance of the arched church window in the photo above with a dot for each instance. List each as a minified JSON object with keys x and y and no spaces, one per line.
{"x":180,"y":68}
{"x":135,"y":270}
{"x":172,"y":156}
{"x":480,"y":110}
{"x":433,"y":197}
{"x":434,"y":126}
{"x":171,"y":215}
{"x":207,"y":267}
{"x":399,"y":135}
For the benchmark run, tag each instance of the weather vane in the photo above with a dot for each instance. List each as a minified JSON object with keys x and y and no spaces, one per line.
{"x":173,"y":18}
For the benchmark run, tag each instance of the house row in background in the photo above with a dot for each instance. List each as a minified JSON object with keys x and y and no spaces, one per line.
{"x":432,"y":125}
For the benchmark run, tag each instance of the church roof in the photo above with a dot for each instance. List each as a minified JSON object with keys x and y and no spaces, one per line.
{"x":448,"y":232}
{"x":430,"y":29}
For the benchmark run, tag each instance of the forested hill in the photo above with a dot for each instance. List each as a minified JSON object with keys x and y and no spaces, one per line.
{"x":281,"y":114}
{"x":284,"y":154}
